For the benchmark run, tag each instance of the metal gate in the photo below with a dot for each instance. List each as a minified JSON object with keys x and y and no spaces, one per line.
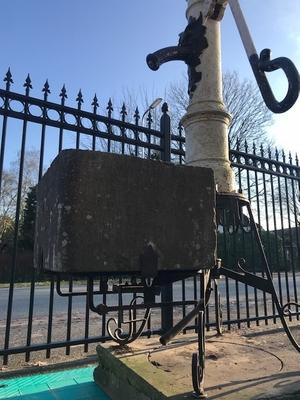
{"x":36,"y":312}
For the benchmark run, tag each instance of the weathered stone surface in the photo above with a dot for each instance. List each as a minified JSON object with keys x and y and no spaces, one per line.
{"x":99,"y":211}
{"x":121,"y":382}
{"x":240,"y":365}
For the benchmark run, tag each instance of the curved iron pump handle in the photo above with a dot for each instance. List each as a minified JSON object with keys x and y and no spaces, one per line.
{"x":263,"y":63}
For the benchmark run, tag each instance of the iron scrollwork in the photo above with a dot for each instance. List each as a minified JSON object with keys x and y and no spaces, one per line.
{"x":118,"y":334}
{"x":286,"y":308}
{"x":191,"y":44}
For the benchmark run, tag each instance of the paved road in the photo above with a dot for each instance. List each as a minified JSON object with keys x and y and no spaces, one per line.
{"x":41,"y":298}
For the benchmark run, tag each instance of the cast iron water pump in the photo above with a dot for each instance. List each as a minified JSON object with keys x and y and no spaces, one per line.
{"x":232,"y":208}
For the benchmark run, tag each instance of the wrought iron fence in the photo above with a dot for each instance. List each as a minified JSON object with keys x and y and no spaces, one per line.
{"x":56,"y":314}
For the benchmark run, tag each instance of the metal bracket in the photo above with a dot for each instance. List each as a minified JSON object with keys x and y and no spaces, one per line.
{"x":149,"y":260}
{"x":248,"y":279}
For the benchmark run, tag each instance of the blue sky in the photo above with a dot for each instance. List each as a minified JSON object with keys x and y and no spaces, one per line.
{"x":100,"y":46}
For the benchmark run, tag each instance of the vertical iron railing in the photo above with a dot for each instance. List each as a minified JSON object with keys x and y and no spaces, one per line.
{"x":167,"y":290}
{"x":270,"y":181}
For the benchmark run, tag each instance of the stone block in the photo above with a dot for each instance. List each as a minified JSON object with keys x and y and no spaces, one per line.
{"x":101,"y":212}
{"x":121,"y":381}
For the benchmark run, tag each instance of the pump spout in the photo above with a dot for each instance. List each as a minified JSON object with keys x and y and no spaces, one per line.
{"x":191,"y":44}
{"x":171,"y":53}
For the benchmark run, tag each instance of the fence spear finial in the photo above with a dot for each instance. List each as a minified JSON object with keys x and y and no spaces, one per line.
{"x":269,"y":152}
{"x":8,"y":79}
{"x":63,"y":92}
{"x":123,"y":112}
{"x":137,"y":116}
{"x":95,"y":103}
{"x":109,"y":108}
{"x":27,"y":84}
{"x":79,"y":98}
{"x":46,"y":89}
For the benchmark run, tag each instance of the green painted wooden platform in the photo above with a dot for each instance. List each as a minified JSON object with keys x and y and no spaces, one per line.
{"x":75,"y":384}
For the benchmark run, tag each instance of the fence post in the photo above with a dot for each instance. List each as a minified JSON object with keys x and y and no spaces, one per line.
{"x":167,"y":290}
{"x":165,"y":129}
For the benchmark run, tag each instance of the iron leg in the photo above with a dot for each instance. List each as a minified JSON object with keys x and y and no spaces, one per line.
{"x":198,"y":359}
{"x":218,"y":309}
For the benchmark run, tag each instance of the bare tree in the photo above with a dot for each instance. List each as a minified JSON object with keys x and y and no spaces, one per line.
{"x":140,"y":100}
{"x":7,"y":207}
{"x":288,"y":194}
{"x":10,"y":187}
{"x":130,"y":107}
{"x":250,"y":116}
{"x":8,"y":194}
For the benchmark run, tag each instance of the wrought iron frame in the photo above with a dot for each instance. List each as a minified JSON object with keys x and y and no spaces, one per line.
{"x":234,"y":203}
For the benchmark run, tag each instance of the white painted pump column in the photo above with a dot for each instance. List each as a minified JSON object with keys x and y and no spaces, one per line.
{"x":207,"y":121}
